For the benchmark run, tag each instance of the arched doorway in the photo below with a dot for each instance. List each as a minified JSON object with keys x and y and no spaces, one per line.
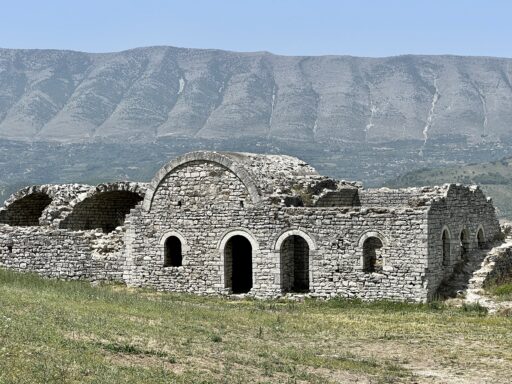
{"x":480,"y":238}
{"x":372,"y":255}
{"x":464,"y":243}
{"x":446,"y":247}
{"x":238,"y":264}
{"x":173,"y":256}
{"x":294,"y":257}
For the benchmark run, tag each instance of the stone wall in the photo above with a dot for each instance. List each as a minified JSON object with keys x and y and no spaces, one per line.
{"x":385,"y":197}
{"x":62,"y":254}
{"x":227,"y":208}
{"x":206,"y":204}
{"x":462,"y":210}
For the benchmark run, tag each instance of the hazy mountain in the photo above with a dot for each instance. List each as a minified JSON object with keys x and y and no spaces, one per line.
{"x":148,"y":93}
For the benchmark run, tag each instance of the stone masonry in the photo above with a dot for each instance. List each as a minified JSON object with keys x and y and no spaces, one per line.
{"x":241,"y":223}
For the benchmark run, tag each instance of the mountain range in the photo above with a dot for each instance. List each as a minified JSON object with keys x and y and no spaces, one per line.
{"x":148,"y":93}
{"x":70,"y":116}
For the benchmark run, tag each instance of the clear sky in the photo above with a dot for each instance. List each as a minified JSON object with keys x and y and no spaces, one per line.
{"x":289,"y":27}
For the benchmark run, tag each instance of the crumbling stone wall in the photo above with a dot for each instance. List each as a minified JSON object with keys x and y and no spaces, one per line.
{"x":385,"y":197}
{"x":61,"y":253}
{"x":299,"y":231}
{"x":105,"y":210}
{"x":458,"y":210}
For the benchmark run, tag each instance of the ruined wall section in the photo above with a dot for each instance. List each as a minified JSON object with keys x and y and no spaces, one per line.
{"x":45,"y":249}
{"x":104,"y":206}
{"x":458,"y":208}
{"x":385,"y":197}
{"x":61,"y":254}
{"x":25,"y":210}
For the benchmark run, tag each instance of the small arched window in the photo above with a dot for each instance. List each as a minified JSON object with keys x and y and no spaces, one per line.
{"x":446,"y":247}
{"x":480,"y":238}
{"x":464,"y":243}
{"x":372,"y":255}
{"x":173,"y":256}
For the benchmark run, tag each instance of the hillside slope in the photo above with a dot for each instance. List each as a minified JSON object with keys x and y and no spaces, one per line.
{"x":146,"y":93}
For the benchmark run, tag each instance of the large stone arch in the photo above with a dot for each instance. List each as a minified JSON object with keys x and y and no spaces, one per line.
{"x":25,"y":207}
{"x":224,"y":160}
{"x":104,"y":206}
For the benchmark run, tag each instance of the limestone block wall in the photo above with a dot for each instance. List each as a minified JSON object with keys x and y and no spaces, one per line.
{"x":336,"y":262}
{"x":385,"y":197}
{"x":461,"y":210}
{"x":342,"y":198}
{"x":205,"y":204}
{"x":61,"y":253}
{"x":197,"y":202}
{"x":335,"y":240}
{"x":237,"y":230}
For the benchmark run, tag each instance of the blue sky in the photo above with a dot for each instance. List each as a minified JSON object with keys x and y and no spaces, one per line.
{"x":289,"y":27}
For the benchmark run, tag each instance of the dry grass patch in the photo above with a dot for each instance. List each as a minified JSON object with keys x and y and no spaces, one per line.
{"x":70,"y":332}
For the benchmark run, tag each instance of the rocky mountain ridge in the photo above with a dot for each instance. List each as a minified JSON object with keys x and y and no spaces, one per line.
{"x":148,"y":93}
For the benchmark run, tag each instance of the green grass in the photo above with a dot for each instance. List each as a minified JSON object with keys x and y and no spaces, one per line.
{"x":70,"y":332}
{"x":501,"y":290}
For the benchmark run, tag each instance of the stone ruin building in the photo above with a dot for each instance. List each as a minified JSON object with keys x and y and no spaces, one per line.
{"x":243,"y":223}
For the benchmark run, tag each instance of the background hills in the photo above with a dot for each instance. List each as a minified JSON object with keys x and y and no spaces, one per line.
{"x":146,"y":93}
{"x":83,"y":117}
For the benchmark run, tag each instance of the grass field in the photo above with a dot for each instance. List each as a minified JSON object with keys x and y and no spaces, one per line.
{"x":69,"y":332}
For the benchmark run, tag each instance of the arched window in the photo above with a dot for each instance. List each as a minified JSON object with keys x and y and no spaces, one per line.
{"x":294,"y":255}
{"x":480,"y":238}
{"x":464,"y":243}
{"x":173,"y":256}
{"x":446,"y":247}
{"x":372,"y":255}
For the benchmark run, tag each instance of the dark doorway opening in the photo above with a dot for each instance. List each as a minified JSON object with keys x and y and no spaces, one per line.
{"x":464,"y":244}
{"x":481,"y":239}
{"x":446,"y":247}
{"x":238,"y":264}
{"x":295,"y":264}
{"x":172,"y":252}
